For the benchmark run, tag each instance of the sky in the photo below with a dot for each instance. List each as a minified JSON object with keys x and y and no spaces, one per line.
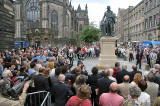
{"x":96,"y":8}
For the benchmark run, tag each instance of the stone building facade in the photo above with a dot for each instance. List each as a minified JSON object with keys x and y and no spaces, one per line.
{"x":136,"y":23}
{"x":126,"y":25}
{"x":49,"y":22}
{"x":7,"y":25}
{"x":152,"y":19}
{"x":119,"y":25}
{"x":141,"y":22}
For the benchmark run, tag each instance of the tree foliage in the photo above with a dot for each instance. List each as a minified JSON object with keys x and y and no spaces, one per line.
{"x":89,"y":34}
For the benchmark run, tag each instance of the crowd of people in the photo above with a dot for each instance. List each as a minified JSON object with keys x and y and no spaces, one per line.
{"x":148,"y":56}
{"x":51,"y":70}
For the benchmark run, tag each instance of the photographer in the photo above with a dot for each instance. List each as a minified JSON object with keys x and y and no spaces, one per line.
{"x":7,"y":101}
{"x":5,"y":98}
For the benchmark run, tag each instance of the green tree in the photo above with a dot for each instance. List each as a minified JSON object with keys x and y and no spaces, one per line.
{"x":89,"y":34}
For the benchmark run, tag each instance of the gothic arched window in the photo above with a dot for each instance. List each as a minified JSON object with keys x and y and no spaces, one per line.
{"x":33,"y":14}
{"x":54,"y":20}
{"x":80,"y":28}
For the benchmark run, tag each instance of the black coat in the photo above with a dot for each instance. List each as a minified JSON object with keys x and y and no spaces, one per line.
{"x":158,"y":58}
{"x":120,"y":75}
{"x":61,"y":91}
{"x":103,"y":85}
{"x":41,"y":83}
{"x":132,"y":73}
{"x":139,"y":56}
{"x":92,"y":81}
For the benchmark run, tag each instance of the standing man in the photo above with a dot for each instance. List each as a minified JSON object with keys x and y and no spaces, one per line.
{"x":61,"y":91}
{"x":103,"y":85}
{"x":153,"y":58}
{"x":111,"y":98}
{"x":70,"y":56}
{"x":124,"y":87}
{"x":139,"y":57}
{"x":121,"y":74}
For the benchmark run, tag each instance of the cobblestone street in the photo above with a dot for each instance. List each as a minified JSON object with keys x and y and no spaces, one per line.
{"x":91,"y":62}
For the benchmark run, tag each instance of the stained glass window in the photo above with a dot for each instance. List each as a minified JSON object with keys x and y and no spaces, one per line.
{"x":33,"y":14}
{"x":54,"y":20}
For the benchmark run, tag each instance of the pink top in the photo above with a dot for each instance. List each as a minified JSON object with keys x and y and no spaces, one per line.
{"x":110,"y":99}
{"x":75,"y":101}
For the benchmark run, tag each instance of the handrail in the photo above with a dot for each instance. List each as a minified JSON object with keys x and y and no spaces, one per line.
{"x":45,"y":98}
{"x":36,"y":92}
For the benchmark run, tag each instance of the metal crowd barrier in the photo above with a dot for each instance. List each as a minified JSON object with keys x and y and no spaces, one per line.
{"x":40,"y":98}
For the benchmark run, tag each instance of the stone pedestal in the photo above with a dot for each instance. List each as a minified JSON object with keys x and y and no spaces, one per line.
{"x":107,"y":56}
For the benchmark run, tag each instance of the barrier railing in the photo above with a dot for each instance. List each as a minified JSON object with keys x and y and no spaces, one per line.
{"x":47,"y":100}
{"x":40,"y":98}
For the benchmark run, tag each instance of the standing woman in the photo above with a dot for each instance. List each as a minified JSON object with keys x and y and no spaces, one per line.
{"x":82,"y":97}
{"x":92,"y":81}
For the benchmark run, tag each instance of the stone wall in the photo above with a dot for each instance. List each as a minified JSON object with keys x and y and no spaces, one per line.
{"x":7,"y":27}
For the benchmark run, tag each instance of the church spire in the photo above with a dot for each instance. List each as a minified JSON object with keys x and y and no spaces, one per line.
{"x":79,"y":8}
{"x":70,"y":4}
{"x":86,"y":8}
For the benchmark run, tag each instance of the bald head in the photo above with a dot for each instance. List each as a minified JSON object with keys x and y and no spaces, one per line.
{"x":114,"y":87}
{"x":126,"y":78}
{"x":61,"y":77}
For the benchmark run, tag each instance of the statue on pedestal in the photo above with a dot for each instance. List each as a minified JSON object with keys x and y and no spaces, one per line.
{"x":107,"y":23}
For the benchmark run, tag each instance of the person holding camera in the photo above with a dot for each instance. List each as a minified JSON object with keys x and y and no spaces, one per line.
{"x":5,"y":97}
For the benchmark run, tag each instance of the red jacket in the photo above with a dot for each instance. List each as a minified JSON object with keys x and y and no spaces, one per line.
{"x":75,"y":101}
{"x":115,"y":72}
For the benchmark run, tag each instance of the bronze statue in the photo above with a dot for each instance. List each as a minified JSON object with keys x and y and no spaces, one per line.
{"x":107,"y":23}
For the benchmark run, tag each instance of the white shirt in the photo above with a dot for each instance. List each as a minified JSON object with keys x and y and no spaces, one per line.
{"x":145,"y":99}
{"x":112,"y":78}
{"x":52,"y":73}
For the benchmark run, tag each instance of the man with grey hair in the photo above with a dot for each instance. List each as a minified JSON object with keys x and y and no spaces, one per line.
{"x":111,"y":74}
{"x":61,"y":78}
{"x":152,"y":88}
{"x":121,"y":74}
{"x":61,"y":91}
